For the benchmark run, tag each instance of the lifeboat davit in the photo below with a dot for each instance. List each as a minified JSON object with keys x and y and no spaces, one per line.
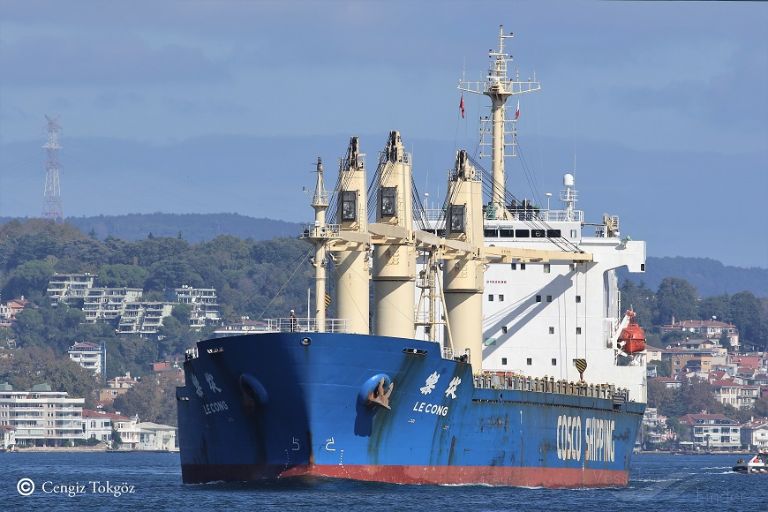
{"x":632,"y":338}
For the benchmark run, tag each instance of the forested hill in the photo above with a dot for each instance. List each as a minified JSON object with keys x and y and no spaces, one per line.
{"x":710,"y":277}
{"x":193,"y":227}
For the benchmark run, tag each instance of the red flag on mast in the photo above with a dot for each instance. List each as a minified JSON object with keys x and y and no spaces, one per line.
{"x":461,"y":106}
{"x":517,"y":112}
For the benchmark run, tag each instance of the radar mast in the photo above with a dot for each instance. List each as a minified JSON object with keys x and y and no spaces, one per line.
{"x":499,"y":87}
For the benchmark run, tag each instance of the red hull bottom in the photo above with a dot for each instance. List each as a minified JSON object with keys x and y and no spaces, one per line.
{"x":428,"y":475}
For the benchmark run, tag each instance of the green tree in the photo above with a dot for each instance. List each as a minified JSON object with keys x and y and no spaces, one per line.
{"x":746,"y":313}
{"x":152,"y":399}
{"x":675,"y":298}
{"x":641,"y":299}
{"x":37,"y":365}
{"x":29,"y":279}
{"x":119,"y":275}
{"x":663,"y":368}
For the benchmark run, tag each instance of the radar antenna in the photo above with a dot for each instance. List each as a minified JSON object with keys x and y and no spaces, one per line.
{"x":499,"y":87}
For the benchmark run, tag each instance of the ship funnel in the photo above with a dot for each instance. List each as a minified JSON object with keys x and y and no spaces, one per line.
{"x":394,"y":262}
{"x":463,"y":278}
{"x":352,"y":266}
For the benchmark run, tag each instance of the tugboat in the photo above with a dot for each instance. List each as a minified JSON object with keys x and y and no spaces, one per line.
{"x":757,"y":464}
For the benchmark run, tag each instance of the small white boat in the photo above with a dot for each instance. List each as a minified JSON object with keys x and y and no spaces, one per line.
{"x":755,"y":464}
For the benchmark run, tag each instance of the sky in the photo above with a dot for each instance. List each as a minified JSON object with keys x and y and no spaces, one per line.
{"x":659,"y":108}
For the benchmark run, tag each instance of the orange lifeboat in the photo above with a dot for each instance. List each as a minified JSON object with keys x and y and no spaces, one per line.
{"x":632,"y":338}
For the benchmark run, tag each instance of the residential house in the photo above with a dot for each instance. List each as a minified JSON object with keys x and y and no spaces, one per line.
{"x":7,"y":438}
{"x":711,"y":329}
{"x":156,"y":437}
{"x":754,"y":434}
{"x":100,"y":424}
{"x":88,"y":355}
{"x":712,"y":432}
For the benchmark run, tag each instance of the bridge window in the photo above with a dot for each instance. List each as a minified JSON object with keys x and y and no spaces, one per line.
{"x":529,"y":361}
{"x":578,"y":299}
{"x":457,"y":218}
{"x":522,"y":266}
{"x":490,"y":298}
{"x":490,"y":233}
{"x":501,"y":297}
{"x":349,"y":206}
{"x":553,"y":233}
{"x":538,"y":233}
{"x":388,"y":201}
{"x":522,"y":233}
{"x":503,"y":361}
{"x":554,"y":362}
{"x":551,"y":330}
{"x":578,"y":330}
{"x":513,"y":266}
{"x":507,"y":233}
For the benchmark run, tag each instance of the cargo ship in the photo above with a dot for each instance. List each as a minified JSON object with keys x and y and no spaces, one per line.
{"x":492,"y":350}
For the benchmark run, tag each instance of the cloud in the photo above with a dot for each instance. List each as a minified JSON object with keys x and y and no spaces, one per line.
{"x":118,"y":60}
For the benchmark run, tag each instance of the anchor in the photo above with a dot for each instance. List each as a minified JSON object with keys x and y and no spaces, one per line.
{"x":379,"y":396}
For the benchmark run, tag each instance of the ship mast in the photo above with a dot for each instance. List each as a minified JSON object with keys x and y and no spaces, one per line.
{"x":499,"y":88}
{"x":320,"y":204}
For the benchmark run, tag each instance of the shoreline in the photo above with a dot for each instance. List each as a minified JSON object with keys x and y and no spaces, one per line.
{"x":81,"y":449}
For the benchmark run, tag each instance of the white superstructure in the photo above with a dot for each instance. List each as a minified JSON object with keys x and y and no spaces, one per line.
{"x":533,"y":290}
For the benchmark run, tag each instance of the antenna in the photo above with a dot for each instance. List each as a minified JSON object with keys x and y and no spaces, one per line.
{"x":499,"y":87}
{"x":52,"y":208}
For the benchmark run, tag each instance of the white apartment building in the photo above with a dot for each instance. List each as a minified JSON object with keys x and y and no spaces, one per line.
{"x":88,"y":355}
{"x":144,"y":317}
{"x":108,"y":304}
{"x":204,"y":303}
{"x":41,"y":417}
{"x":68,"y":287}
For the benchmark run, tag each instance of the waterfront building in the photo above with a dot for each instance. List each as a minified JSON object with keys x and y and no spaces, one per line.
{"x":100,"y":424}
{"x":754,"y":434}
{"x":88,"y":355}
{"x":129,"y":432}
{"x":712,"y":432}
{"x":7,"y":438}
{"x":41,"y":417}
{"x":156,"y":437}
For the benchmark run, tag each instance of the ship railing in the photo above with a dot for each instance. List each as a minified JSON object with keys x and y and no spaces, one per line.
{"x":516,"y":382}
{"x":337,"y":325}
{"x":326,"y":231}
{"x":436,"y":215}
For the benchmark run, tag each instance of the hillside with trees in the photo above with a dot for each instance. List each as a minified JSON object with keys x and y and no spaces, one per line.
{"x":193,"y":227}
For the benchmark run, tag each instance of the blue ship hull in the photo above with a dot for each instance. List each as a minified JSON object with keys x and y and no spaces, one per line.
{"x":280,"y":405}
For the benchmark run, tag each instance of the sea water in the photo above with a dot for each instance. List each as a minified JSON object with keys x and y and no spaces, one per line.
{"x":152,"y":482}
